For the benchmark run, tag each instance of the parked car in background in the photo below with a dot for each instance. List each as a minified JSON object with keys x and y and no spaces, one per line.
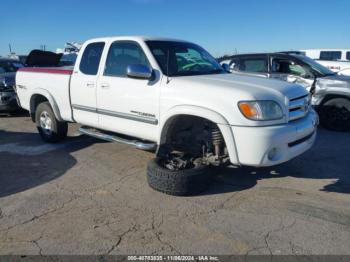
{"x":330,"y":91}
{"x":8,"y":69}
{"x":337,"y":60}
{"x":21,"y":58}
{"x":68,"y":59}
{"x":173,"y":97}
{"x":69,"y":53}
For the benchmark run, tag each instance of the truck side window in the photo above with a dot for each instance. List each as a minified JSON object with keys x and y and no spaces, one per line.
{"x":91,"y":58}
{"x":348,"y":56}
{"x":285,"y":66}
{"x":120,"y":55}
{"x":252,"y":64}
{"x":330,"y":55}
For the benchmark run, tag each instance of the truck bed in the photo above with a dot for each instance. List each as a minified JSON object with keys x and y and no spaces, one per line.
{"x":51,"y":82}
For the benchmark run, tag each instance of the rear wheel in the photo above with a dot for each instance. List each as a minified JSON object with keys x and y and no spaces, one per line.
{"x":335,"y":114}
{"x":50,"y":129}
{"x":178,"y":175}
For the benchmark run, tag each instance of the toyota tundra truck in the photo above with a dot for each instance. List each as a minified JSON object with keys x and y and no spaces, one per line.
{"x":170,"y":97}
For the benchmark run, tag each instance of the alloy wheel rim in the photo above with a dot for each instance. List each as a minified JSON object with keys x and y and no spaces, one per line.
{"x":46,"y":122}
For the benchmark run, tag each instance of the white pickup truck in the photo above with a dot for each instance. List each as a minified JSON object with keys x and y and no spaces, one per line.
{"x":173,"y":97}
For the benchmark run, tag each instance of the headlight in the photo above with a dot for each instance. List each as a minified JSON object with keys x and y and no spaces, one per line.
{"x":261,"y":110}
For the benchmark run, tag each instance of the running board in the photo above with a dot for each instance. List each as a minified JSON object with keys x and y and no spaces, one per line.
{"x":148,"y":146}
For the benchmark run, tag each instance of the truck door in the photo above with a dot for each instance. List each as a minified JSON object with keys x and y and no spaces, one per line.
{"x":83,"y":85}
{"x":127,"y":105}
{"x":291,"y":70}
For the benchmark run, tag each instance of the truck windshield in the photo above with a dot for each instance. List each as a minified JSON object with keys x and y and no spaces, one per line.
{"x":320,"y":69}
{"x":183,"y":59}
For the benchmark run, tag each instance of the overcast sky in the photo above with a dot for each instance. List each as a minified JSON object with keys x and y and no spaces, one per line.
{"x":220,"y":26}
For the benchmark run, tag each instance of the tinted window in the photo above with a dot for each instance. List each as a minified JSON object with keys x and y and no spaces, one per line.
{"x":91,"y":58}
{"x":122,"y":54}
{"x":252,"y":64}
{"x":330,"y":55}
{"x":285,"y":66}
{"x":348,"y":56}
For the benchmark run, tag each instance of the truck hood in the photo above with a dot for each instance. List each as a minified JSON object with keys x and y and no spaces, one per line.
{"x":222,"y":93}
{"x":338,"y":81}
{"x":258,"y":87}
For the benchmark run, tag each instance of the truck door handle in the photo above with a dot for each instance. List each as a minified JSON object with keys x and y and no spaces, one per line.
{"x":105,"y":85}
{"x":90,"y":84}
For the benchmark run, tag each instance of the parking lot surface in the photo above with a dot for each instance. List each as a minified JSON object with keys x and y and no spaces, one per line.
{"x":86,"y":196}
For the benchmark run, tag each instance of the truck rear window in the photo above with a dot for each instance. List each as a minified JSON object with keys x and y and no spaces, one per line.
{"x":90,"y":60}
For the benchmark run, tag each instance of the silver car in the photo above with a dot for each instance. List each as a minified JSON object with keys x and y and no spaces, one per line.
{"x":8,"y":68}
{"x":330,"y":91}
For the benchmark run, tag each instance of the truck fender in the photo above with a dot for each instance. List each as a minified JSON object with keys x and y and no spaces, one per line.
{"x":324,"y":95}
{"x":49,"y":97}
{"x":205,"y":113}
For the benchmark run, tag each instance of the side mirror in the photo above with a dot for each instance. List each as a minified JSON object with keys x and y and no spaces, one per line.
{"x":226,"y":67}
{"x":139,"y":71}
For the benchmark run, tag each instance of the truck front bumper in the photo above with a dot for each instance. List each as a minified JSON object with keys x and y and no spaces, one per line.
{"x":272,"y":145}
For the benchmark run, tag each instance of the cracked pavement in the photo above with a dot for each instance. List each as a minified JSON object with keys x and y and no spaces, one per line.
{"x":86,"y":196}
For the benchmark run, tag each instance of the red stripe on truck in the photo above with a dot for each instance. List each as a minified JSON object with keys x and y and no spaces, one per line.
{"x":46,"y":70}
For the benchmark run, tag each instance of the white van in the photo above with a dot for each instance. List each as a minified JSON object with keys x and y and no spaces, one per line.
{"x":338,"y":60}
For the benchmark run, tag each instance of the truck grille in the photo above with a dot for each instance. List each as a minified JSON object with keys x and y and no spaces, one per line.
{"x":299,"y":107}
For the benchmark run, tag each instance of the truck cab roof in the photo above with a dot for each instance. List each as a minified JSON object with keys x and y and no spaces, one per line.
{"x":134,"y":38}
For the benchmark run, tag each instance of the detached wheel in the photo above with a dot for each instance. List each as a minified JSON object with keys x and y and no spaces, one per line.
{"x":50,"y":129}
{"x":188,"y":180}
{"x":335,"y":114}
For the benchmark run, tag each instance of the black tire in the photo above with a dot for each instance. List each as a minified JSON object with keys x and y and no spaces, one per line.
{"x":58,"y":130}
{"x":180,"y":182}
{"x":335,"y":114}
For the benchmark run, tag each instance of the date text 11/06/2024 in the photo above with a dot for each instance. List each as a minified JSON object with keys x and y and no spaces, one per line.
{"x":173,"y":258}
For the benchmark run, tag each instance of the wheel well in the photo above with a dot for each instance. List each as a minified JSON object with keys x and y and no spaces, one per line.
{"x":189,"y":132}
{"x":332,"y":96}
{"x":34,"y":102}
{"x":178,"y":123}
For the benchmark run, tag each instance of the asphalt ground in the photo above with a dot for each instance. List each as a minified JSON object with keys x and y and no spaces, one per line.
{"x":85,"y":196}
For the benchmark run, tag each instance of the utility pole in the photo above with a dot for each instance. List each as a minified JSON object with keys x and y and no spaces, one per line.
{"x":10,"y":48}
